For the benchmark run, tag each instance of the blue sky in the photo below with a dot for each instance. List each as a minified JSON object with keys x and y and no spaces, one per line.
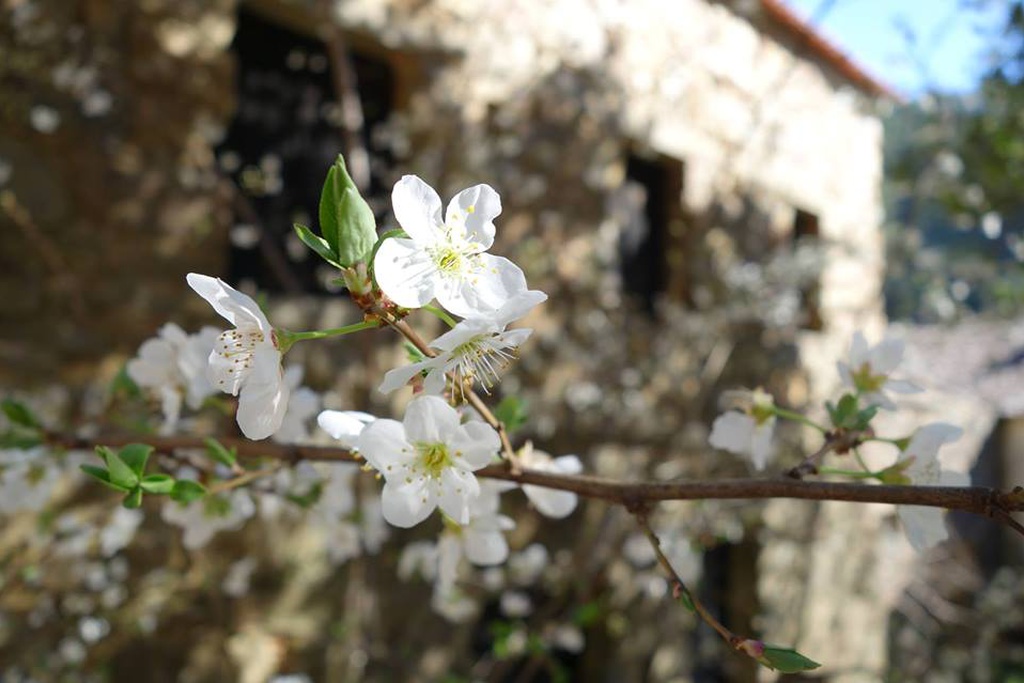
{"x":946,"y":52}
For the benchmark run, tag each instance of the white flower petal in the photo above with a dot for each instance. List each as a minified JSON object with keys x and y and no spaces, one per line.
{"x":567,"y":464}
{"x":761,"y":443}
{"x":493,"y":283}
{"x":383,"y":443}
{"x":476,"y":443}
{"x":477,"y":207}
{"x":886,"y":356}
{"x":405,"y":272}
{"x":549,"y":502}
{"x":732,"y":431}
{"x":261,"y":408}
{"x":417,"y":209}
{"x":902,"y":386}
{"x":399,"y":377}
{"x":237,"y":308}
{"x":406,"y":505}
{"x":457,"y":489}
{"x":924,"y":526}
{"x":430,"y":419}
{"x":435,"y":381}
{"x":345,"y":426}
{"x":858,"y":350}
{"x":485,"y":548}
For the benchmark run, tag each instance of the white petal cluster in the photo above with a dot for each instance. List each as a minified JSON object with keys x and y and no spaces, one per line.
{"x":476,"y":349}
{"x":920,"y":464}
{"x":303,"y":404}
{"x":747,"y":431}
{"x":172,"y":366}
{"x":427,"y":461}
{"x":868,"y":369}
{"x":245,"y":361}
{"x":26,"y":480}
{"x":446,"y":259}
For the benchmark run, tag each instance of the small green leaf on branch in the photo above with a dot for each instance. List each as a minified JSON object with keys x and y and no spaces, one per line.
{"x":317,"y":244}
{"x":346,"y":220}
{"x":511,"y":412}
{"x":158,"y":484}
{"x":119,"y":472}
{"x":185,"y":491}
{"x":101,"y":475}
{"x":218,"y":453}
{"x":19,"y":414}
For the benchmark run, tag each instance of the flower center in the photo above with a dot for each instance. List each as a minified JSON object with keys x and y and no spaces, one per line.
{"x":238,"y":346}
{"x":434,"y":458}
{"x":481,"y":358}
{"x":449,"y":260}
{"x":867,"y":382}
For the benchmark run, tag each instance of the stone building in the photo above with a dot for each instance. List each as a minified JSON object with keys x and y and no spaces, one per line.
{"x":695,"y":183}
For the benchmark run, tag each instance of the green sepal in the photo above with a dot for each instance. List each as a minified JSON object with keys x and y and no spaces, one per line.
{"x":18,"y":413}
{"x":135,"y":455}
{"x":346,"y":220}
{"x":157,"y":484}
{"x":317,"y":244}
{"x":134,"y":499}
{"x":511,"y":412}
{"x":117,"y":469}
{"x":102,"y":476}
{"x":786,"y":660}
{"x":185,"y":491}
{"x":683,"y":598}
{"x":219,"y":453}
{"x":843,"y":414}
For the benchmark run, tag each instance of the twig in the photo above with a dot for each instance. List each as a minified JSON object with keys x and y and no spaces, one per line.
{"x":679,"y":588}
{"x":246,"y":478}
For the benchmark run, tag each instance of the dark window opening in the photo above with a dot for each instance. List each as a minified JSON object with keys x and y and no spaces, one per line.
{"x":806,"y":228}
{"x":285,"y":135}
{"x":648,"y":206}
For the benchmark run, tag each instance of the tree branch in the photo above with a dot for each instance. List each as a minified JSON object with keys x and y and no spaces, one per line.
{"x":975,"y":499}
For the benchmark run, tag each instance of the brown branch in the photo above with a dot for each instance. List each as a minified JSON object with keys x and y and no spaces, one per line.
{"x":975,"y":499}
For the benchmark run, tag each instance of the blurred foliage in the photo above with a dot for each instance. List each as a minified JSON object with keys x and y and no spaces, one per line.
{"x":954,"y":169}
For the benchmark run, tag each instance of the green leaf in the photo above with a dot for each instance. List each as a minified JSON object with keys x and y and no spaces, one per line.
{"x":309,"y":498}
{"x":587,"y":614}
{"x":102,"y":476}
{"x":135,"y":456}
{"x":133,"y":499}
{"x":511,"y":411}
{"x":317,"y":244}
{"x":118,"y":470}
{"x":346,"y":220}
{"x":19,"y":414}
{"x":220,"y":454}
{"x":158,"y":484}
{"x":786,"y":660}
{"x":185,"y":491}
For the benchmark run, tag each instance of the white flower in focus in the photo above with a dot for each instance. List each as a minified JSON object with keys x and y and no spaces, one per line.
{"x":920,"y":464}
{"x":868,"y":370}
{"x":344,"y":425}
{"x":747,"y":433}
{"x":550,"y":502}
{"x":427,"y":461}
{"x":303,"y":403}
{"x":203,"y":518}
{"x":478,"y":348}
{"x":445,"y":259}
{"x":246,"y":361}
{"x":172,"y":365}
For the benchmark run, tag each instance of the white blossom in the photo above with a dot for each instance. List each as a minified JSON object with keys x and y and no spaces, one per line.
{"x":747,"y":432}
{"x":428,"y":461}
{"x":246,"y":361}
{"x":172,"y":366}
{"x":919,"y":463}
{"x":868,"y":370}
{"x":550,"y":502}
{"x":445,"y":259}
{"x":478,"y":348}
{"x":26,"y":480}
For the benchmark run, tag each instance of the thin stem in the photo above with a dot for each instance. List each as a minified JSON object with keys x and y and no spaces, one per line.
{"x":678,"y":586}
{"x":245,"y":479}
{"x":861,"y":462}
{"x":853,"y":474}
{"x":333,"y":332}
{"x":440,"y":313}
{"x":797,"y":417}
{"x":810,"y":464}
